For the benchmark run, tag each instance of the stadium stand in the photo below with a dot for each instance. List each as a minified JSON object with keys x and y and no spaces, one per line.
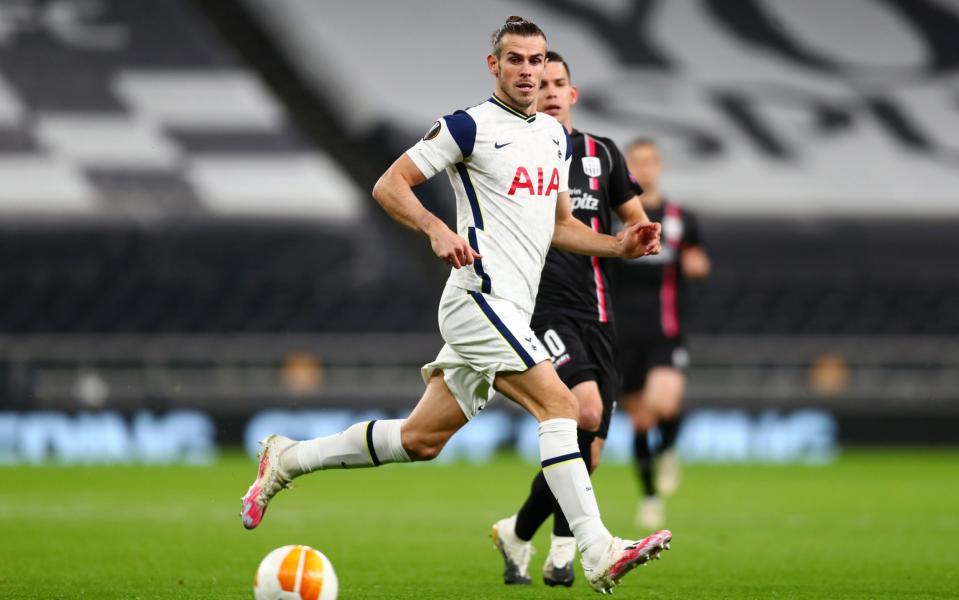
{"x":153,"y":182}
{"x":830,"y":277}
{"x":106,"y":115}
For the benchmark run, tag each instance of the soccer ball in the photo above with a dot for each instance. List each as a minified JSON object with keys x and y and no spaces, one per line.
{"x":295,"y":573}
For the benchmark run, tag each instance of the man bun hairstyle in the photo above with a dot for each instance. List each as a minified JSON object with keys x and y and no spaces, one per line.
{"x":517,"y":26}
{"x":554,"y":57}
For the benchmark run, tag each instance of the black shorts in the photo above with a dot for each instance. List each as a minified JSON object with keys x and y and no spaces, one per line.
{"x":583,"y":351}
{"x":639,"y":355}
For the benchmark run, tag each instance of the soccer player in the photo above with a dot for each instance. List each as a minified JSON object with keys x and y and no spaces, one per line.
{"x":574,"y":319}
{"x":508,"y":167}
{"x":654,"y":299}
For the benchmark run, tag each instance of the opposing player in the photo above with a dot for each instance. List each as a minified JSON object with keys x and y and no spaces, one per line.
{"x":508,"y":166}
{"x":574,"y":319}
{"x":652,"y":296}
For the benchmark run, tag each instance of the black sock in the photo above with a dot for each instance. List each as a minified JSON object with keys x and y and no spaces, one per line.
{"x":538,"y":506}
{"x":541,"y":503}
{"x":644,"y":462}
{"x":669,"y":431}
{"x":585,"y":440}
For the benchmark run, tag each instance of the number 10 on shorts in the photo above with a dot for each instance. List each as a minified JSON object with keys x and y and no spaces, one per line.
{"x":556,"y":347}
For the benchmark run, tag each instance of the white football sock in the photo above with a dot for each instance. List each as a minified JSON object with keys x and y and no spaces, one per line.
{"x":367,"y":444}
{"x":568,"y":479}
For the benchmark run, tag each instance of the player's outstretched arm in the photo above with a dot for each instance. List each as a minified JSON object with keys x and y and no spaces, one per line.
{"x":394,"y":192}
{"x":572,"y":235}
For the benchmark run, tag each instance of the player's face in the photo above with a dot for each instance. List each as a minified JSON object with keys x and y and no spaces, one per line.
{"x":645,"y":164}
{"x":519,"y":68}
{"x":556,"y":94}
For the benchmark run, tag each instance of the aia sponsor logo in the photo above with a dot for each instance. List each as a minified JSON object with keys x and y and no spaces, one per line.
{"x":523,"y":181}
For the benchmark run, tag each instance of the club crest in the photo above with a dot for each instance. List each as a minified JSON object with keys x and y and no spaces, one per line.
{"x":592,"y":167}
{"x":433,"y":132}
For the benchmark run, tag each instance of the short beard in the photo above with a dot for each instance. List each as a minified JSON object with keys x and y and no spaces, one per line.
{"x":515,"y":102}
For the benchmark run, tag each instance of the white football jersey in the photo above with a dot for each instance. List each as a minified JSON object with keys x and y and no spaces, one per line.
{"x":506,"y":169}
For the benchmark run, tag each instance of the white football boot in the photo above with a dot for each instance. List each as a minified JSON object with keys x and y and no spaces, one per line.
{"x":270,"y":479}
{"x":667,"y":472}
{"x":621,"y":557}
{"x":558,"y":568}
{"x":516,"y":553}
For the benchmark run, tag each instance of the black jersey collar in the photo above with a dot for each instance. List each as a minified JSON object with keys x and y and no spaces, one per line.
{"x":511,"y":110}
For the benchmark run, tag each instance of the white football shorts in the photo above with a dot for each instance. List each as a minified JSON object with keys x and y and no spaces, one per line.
{"x":484,"y":336}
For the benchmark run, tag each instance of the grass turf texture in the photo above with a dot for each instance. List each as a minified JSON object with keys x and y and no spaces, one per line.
{"x":877,"y":524}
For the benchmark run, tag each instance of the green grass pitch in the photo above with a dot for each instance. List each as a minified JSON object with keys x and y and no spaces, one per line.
{"x":882,"y":524}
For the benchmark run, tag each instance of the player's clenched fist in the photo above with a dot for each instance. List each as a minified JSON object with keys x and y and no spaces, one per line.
{"x":453,"y":249}
{"x":640,"y":239}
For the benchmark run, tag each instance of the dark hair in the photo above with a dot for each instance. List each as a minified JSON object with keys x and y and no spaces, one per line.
{"x":554,"y":57}
{"x":517,"y":26}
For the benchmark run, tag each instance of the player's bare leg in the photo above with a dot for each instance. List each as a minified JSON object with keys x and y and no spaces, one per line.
{"x":606,"y":559}
{"x":434,"y":420}
{"x":421,"y":436}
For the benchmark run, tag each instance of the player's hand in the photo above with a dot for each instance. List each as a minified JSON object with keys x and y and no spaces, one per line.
{"x":453,"y":249}
{"x":639,"y":239}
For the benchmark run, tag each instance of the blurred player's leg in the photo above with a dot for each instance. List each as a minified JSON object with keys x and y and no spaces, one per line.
{"x":667,"y":459}
{"x":663,"y":393}
{"x":421,"y":436}
{"x":650,"y":512}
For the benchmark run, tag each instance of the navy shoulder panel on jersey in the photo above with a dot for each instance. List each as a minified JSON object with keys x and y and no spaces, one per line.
{"x":463,"y":129}
{"x":569,"y":144}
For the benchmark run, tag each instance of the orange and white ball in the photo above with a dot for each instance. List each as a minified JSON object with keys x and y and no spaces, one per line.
{"x":295,"y":573}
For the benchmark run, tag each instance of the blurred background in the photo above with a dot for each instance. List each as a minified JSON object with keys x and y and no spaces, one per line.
{"x":190,"y":257}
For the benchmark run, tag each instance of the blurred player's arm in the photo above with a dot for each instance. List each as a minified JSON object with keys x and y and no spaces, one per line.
{"x":696,"y":263}
{"x":570,"y":234}
{"x":394,"y":192}
{"x":693,"y":255}
{"x":631,"y":212}
{"x":624,"y":193}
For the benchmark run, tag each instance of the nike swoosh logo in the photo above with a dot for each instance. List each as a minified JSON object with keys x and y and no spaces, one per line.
{"x":498,"y":146}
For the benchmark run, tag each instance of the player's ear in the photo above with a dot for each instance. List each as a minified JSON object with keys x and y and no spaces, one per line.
{"x":574,"y":94}
{"x":491,"y":64}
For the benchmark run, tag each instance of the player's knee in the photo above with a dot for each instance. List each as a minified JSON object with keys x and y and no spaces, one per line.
{"x":590,"y":417}
{"x":425,"y":452}
{"x":558,"y":403}
{"x":423,"y":447}
{"x":671,"y":410}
